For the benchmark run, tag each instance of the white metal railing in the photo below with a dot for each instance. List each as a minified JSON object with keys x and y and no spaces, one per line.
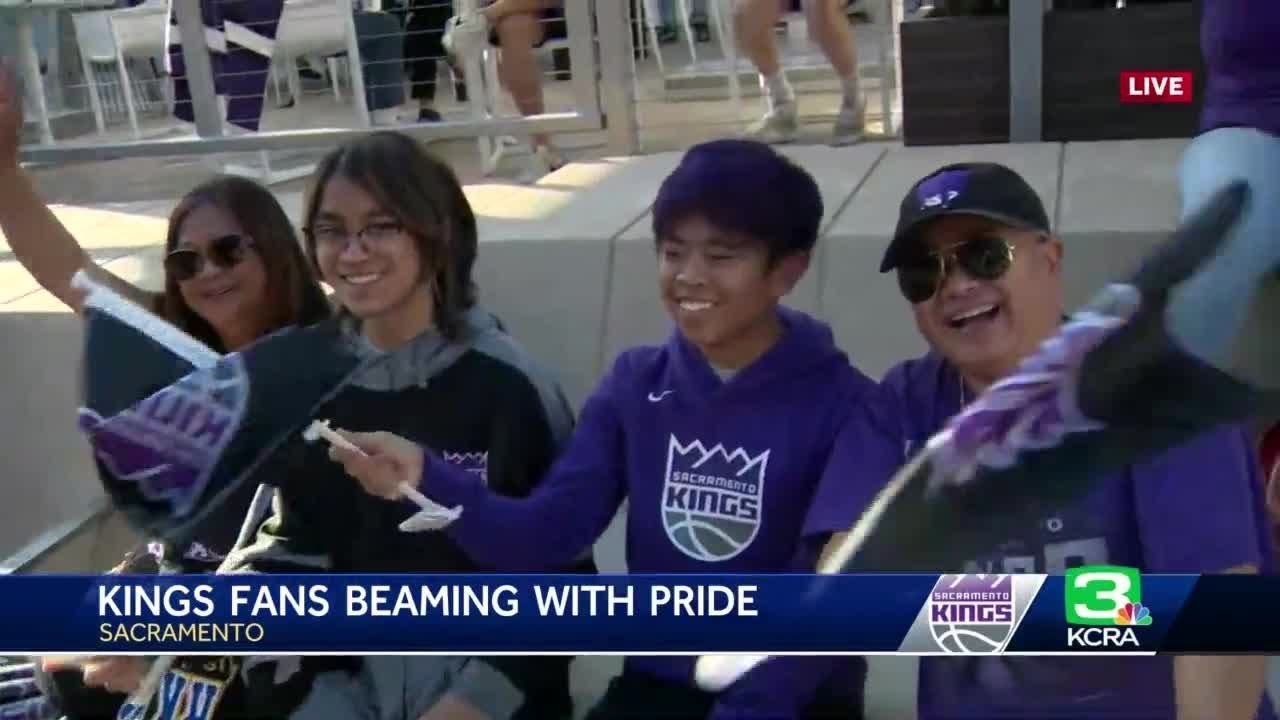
{"x":601,"y":86}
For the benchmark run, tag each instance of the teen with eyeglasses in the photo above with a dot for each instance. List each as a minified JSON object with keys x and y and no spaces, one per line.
{"x":234,"y":271}
{"x":977,"y":260}
{"x":388,"y":227}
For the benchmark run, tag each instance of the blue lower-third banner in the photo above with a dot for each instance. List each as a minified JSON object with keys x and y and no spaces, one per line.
{"x":1088,"y":610}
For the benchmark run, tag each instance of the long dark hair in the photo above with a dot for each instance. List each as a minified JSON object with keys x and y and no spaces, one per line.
{"x":424,"y":196}
{"x":294,"y":296}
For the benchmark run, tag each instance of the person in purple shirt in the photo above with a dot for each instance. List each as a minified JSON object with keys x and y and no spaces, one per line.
{"x":1239,"y":140}
{"x":718,"y":439}
{"x":975,"y":257}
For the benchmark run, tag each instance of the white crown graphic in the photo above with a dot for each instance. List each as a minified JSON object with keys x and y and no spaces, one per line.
{"x":736,"y":455}
{"x":466,"y":458}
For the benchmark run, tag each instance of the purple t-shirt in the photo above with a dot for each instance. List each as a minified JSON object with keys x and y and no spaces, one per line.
{"x":1237,"y":38}
{"x":1197,"y":508}
{"x":720,"y":475}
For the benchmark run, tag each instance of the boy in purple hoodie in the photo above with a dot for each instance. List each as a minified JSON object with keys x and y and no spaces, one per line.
{"x":977,"y":261}
{"x":719,"y":439}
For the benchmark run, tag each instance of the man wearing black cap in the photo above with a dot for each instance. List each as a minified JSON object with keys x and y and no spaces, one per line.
{"x":975,"y":256}
{"x":985,"y":222}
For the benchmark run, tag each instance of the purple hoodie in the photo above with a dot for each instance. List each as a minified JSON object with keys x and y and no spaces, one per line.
{"x":720,"y":477}
{"x":1159,"y":516}
{"x":1237,"y":38}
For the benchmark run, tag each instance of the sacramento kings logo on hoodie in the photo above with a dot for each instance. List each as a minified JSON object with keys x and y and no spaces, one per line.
{"x":476,"y":463}
{"x":711,"y":498}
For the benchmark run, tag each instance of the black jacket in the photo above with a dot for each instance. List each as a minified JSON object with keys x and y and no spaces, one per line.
{"x":480,"y":401}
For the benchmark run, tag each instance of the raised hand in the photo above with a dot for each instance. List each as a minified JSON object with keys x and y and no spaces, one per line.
{"x":10,"y":115}
{"x":382,"y":463}
{"x":119,"y":674}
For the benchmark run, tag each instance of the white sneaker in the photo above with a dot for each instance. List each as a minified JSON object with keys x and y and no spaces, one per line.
{"x":465,"y":34}
{"x":543,"y":161}
{"x":850,"y":126}
{"x":385,"y":117}
{"x":779,"y":125}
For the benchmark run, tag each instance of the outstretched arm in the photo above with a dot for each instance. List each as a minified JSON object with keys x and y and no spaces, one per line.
{"x":567,"y":511}
{"x":864,"y":456}
{"x":39,"y":241}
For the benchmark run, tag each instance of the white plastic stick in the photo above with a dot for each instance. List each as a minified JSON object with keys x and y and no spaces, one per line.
{"x":321,"y":429}
{"x":106,"y":300}
{"x":433,"y":514}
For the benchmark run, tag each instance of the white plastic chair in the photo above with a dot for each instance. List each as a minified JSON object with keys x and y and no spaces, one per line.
{"x":110,"y":38}
{"x":311,"y":27}
{"x":97,"y":53}
{"x":138,"y":32}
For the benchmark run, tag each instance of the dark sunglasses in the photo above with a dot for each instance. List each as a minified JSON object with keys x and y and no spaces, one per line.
{"x":984,"y":258}
{"x":224,"y":252}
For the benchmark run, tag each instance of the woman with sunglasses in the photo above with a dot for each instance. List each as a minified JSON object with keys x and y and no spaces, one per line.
{"x":234,"y":271}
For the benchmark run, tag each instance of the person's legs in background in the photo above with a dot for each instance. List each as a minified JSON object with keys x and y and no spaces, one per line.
{"x":829,"y":28}
{"x":519,"y":34}
{"x":518,"y":27}
{"x":424,"y":31}
{"x":754,"y":22}
{"x":698,"y":20}
{"x":381,"y":44}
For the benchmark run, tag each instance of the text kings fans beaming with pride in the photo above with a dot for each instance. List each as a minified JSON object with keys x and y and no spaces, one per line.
{"x":1095,"y":609}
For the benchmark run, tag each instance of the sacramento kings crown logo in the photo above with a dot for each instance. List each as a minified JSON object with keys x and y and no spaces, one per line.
{"x":170,"y":442}
{"x":971,"y":614}
{"x":711,"y":498}
{"x":476,"y":463}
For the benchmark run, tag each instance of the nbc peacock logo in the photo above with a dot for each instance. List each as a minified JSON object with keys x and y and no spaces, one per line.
{"x":1133,"y":614}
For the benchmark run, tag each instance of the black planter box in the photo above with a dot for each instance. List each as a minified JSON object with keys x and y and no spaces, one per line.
{"x":1086,"y":50}
{"x":955,"y":80}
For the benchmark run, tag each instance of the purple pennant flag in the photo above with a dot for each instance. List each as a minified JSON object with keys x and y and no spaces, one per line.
{"x":177,"y":429}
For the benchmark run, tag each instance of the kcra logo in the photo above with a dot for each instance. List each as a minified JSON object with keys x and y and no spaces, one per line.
{"x":1104,"y":606}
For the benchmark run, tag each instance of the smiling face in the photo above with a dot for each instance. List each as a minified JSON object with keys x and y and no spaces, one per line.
{"x":378,"y":276}
{"x":220,"y":275}
{"x":721,"y":290}
{"x":986,"y":325}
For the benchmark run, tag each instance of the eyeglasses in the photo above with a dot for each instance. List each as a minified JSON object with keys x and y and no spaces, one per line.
{"x":985,"y":258}
{"x":337,"y":236}
{"x":224,"y":252}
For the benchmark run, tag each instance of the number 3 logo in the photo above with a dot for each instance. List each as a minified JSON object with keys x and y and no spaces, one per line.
{"x":1095,"y":594}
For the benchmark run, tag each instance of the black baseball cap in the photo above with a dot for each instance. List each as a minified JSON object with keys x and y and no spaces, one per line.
{"x":988,"y":190}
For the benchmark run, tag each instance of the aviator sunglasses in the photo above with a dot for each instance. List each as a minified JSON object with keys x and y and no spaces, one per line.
{"x":224,"y":252}
{"x":984,"y":258}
